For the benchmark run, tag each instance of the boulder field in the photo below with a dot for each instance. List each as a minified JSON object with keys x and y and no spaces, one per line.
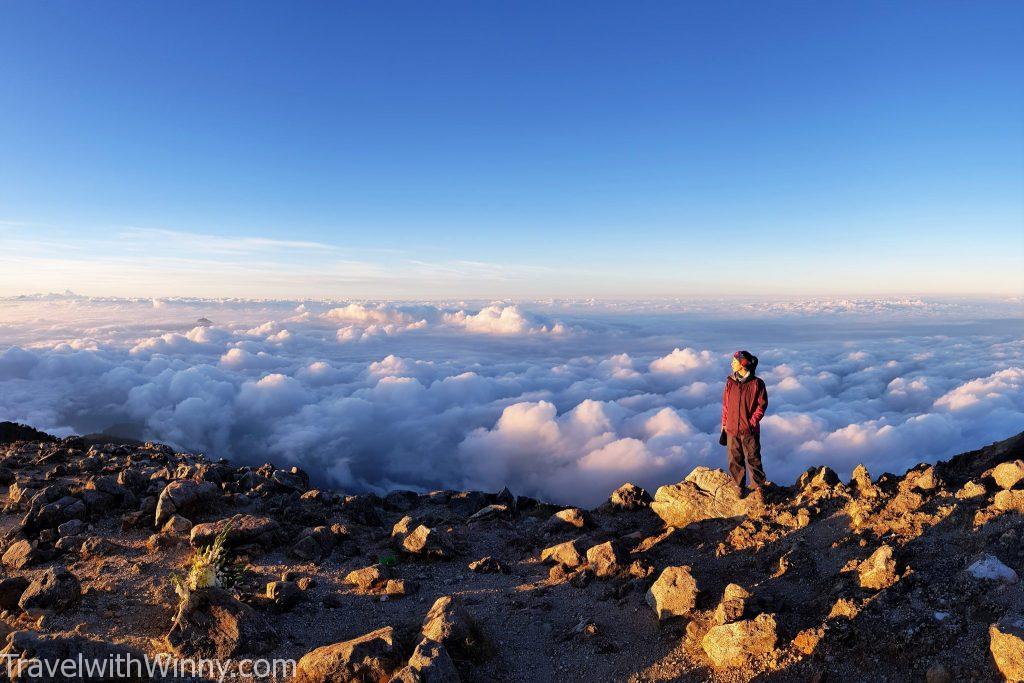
{"x":895,"y":577}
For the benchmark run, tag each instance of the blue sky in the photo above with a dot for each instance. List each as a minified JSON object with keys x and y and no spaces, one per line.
{"x":512,"y":149}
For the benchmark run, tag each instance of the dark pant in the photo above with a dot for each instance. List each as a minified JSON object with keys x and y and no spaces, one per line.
{"x":745,"y":453}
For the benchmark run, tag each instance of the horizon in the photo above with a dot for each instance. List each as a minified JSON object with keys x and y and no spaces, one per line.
{"x":512,"y":153}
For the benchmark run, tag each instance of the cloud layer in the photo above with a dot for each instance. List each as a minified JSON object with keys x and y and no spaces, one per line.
{"x":563,"y":401}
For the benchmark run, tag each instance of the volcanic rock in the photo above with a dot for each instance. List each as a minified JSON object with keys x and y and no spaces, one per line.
{"x":56,"y":589}
{"x":704,"y":494}
{"x":734,"y":644}
{"x":182,"y":497}
{"x":879,"y":570}
{"x":1006,"y":643}
{"x":674,"y":593}
{"x":211,"y":623}
{"x":370,"y":657}
{"x":430,"y":663}
{"x":566,"y":554}
{"x":630,"y":497}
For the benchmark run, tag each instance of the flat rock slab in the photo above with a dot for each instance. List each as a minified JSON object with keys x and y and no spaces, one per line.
{"x":704,"y":494}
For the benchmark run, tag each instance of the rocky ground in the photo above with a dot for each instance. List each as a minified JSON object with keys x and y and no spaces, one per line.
{"x":909,"y":577}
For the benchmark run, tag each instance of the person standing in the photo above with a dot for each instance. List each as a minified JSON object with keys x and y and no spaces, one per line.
{"x":743,"y":404}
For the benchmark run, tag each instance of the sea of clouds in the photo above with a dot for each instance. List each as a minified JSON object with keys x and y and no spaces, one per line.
{"x":559,"y":400}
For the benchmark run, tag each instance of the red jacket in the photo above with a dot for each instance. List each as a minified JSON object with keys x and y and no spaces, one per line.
{"x":743,"y":405}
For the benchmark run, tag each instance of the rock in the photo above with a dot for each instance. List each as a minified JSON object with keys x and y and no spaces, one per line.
{"x":733,"y":604}
{"x":370,"y":658}
{"x":177,"y":525}
{"x":990,"y":568}
{"x":674,"y":593}
{"x":74,"y":527}
{"x":505,"y":497}
{"x":399,"y":587}
{"x":401,"y":500}
{"x":368,"y":577}
{"x":566,"y":554}
{"x":403,"y":527}
{"x":97,"y":546}
{"x":23,"y":554}
{"x":11,"y":589}
{"x":55,"y":589}
{"x":430,"y":663}
{"x":734,"y":644}
{"x":704,"y":494}
{"x":606,"y":559}
{"x":53,"y":513}
{"x":629,"y":497}
{"x":184,"y":496}
{"x":844,"y":607}
{"x":426,"y":541}
{"x":284,"y":594}
{"x":924,"y":480}
{"x":314,"y":544}
{"x":1009,"y":501}
{"x":245,"y":530}
{"x":450,"y":624}
{"x":211,"y":623}
{"x":490,"y":512}
{"x":568,"y":519}
{"x":1006,"y":642}
{"x":818,"y":478}
{"x":971,"y":489}
{"x":1008,"y":474}
{"x":879,"y":570}
{"x":294,"y":479}
{"x":465,"y":503}
{"x":27,"y":650}
{"x":488,"y":565}
{"x":862,"y":485}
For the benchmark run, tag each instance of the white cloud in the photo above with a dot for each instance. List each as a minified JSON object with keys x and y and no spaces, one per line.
{"x":462,"y":395}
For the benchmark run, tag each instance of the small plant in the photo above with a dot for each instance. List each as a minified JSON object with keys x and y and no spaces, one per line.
{"x":388,"y":560}
{"x":211,"y":567}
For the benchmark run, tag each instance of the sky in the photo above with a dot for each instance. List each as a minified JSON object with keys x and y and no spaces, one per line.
{"x":512,"y":150}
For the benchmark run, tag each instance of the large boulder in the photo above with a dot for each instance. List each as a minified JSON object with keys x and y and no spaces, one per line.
{"x":242,"y":530}
{"x":736,"y":643}
{"x":55,"y":589}
{"x":704,"y":494}
{"x":367,"y":659}
{"x":1006,"y":642}
{"x":183,"y":497}
{"x":211,"y":623}
{"x":674,"y":594}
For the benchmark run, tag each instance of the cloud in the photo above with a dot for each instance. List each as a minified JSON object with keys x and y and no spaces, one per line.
{"x":562,"y":403}
{"x":502,"y":320}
